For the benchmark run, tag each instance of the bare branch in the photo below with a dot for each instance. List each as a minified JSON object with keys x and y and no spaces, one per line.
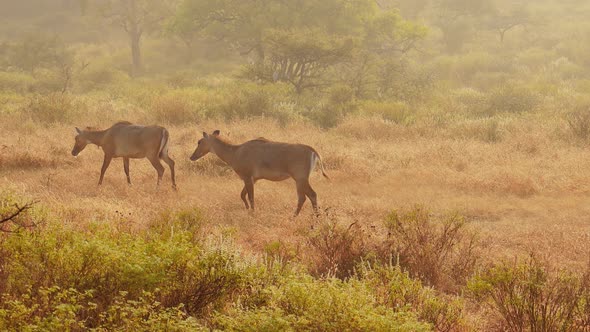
{"x":14,"y":215}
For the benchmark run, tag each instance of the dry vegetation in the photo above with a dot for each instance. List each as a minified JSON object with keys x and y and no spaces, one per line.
{"x":458,"y":166}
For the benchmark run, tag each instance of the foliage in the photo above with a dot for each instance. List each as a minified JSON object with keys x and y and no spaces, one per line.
{"x":338,"y":248}
{"x":578,"y":121}
{"x":53,"y":108}
{"x":441,"y":252}
{"x":395,"y":289}
{"x":530,"y":296}
{"x":512,"y":99}
{"x":303,"y":303}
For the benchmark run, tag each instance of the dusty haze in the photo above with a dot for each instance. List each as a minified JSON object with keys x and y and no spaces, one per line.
{"x":455,"y":132}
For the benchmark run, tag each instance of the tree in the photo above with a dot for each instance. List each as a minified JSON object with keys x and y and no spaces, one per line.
{"x":387,"y":38}
{"x":136,"y":17}
{"x":457,"y":20}
{"x":501,"y":23}
{"x":36,"y":50}
{"x":300,"y":57}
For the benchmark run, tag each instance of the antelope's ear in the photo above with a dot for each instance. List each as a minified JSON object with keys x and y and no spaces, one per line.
{"x":78,"y":130}
{"x":216,"y":132}
{"x":205,"y":135}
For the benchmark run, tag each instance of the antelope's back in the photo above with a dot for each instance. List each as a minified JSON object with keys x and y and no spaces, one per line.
{"x":276,"y":155}
{"x":136,"y":141}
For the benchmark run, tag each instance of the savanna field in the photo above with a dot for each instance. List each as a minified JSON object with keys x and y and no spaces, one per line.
{"x":455,"y":135}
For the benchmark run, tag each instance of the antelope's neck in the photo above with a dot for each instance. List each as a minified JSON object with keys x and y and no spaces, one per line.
{"x":95,"y":137}
{"x":225,"y":151}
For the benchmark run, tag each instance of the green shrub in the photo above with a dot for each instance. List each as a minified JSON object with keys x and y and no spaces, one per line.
{"x":337,"y":105}
{"x":146,"y":314}
{"x":98,"y":77}
{"x":203,"y":281}
{"x":56,"y":309}
{"x":395,"y":289}
{"x":187,"y":270}
{"x":529,"y":296}
{"x":174,"y":108}
{"x":306,"y":304}
{"x":470,"y":101}
{"x":512,"y":99}
{"x":48,"y":309}
{"x":439,"y":251}
{"x":15,"y":82}
{"x":54,"y":108}
{"x":396,"y":112}
{"x":249,"y":101}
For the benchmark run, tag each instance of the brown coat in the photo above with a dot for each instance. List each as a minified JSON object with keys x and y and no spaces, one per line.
{"x":263,"y":159}
{"x":127,"y":140}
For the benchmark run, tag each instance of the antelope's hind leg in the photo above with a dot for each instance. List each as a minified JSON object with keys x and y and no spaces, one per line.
{"x":313,"y":197}
{"x":126,"y":168}
{"x":243,"y":196}
{"x":301,"y":191}
{"x":171,"y":164}
{"x":249,"y":186}
{"x":159,"y":168}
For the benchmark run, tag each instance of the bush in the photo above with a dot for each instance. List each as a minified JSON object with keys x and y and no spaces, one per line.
{"x":396,"y":112}
{"x":98,"y":77}
{"x":249,"y":101}
{"x":306,"y":304}
{"x":336,"y":248}
{"x":56,"y":309}
{"x":529,"y":296}
{"x":395,"y":289}
{"x":16,"y":82}
{"x":470,"y":101}
{"x":169,"y":258}
{"x":579,"y":122}
{"x":485,"y":130}
{"x":337,"y":105}
{"x":54,"y":108}
{"x":174,"y":108}
{"x":512,"y":99}
{"x":441,"y":253}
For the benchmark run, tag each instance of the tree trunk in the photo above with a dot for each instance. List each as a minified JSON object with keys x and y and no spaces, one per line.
{"x":135,"y":38}
{"x":136,"y":56}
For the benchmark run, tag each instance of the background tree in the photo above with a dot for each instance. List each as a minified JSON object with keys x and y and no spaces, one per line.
{"x":136,"y":17}
{"x":502,"y":22}
{"x":457,"y":20}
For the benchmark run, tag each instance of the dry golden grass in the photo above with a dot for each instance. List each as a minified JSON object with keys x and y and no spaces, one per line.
{"x":528,"y":191}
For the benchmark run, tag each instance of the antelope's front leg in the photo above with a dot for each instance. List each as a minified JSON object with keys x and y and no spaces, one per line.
{"x":105,"y":164}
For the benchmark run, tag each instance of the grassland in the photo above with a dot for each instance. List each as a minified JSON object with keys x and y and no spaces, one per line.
{"x":458,"y":189}
{"x":525,"y":192}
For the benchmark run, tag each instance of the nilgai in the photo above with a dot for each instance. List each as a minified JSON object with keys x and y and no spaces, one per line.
{"x":127,"y":140}
{"x":264,"y":159}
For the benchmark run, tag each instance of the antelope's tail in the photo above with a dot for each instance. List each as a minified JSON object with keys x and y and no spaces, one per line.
{"x":316,"y":156}
{"x":163,"y":151}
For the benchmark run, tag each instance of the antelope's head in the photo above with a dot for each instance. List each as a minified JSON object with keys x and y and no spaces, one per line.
{"x":204,"y":145}
{"x":80,"y":143}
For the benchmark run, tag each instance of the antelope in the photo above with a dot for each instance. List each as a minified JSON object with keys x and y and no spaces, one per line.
{"x":263,"y":159}
{"x":127,"y":140}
